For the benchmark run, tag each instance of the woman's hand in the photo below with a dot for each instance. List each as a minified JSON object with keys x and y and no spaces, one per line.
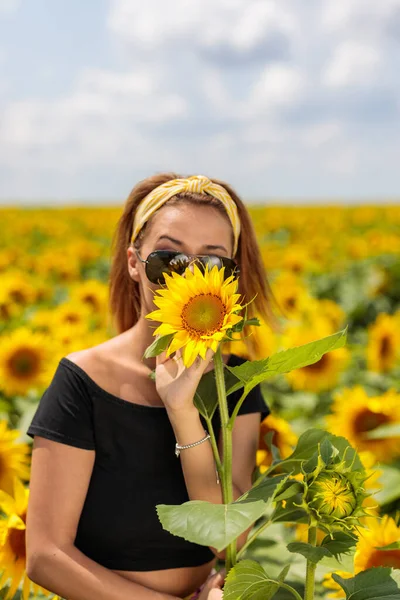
{"x":212,"y":589}
{"x":177,"y":384}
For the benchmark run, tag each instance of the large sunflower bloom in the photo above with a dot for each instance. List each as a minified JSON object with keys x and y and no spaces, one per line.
{"x":198,"y":308}
{"x":12,"y":543}
{"x":14,"y":457}
{"x":380,"y":532}
{"x":355,"y":414}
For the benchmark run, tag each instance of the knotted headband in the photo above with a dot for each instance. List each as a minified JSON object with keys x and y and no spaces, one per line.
{"x":198,"y":184}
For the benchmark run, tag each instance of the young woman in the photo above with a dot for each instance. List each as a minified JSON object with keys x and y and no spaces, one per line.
{"x":105,"y":432}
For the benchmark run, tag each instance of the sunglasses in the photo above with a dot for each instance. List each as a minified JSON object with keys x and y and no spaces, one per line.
{"x":160,"y":262}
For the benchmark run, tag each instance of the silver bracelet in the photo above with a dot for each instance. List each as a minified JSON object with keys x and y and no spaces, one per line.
{"x":178,"y":448}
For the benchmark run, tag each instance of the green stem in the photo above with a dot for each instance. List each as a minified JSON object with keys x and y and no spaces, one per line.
{"x":237,"y":407}
{"x":214,"y":447}
{"x":310,"y":573}
{"x":253,"y":537}
{"x":290,"y":589}
{"x":227,"y":487}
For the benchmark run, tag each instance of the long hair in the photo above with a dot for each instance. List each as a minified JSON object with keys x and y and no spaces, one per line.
{"x":124,"y":293}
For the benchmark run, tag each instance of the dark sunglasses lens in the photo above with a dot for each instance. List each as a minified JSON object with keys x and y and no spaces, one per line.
{"x":231,"y":267}
{"x":158,"y":263}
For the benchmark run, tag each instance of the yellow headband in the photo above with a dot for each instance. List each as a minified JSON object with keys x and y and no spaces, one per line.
{"x":198,"y":184}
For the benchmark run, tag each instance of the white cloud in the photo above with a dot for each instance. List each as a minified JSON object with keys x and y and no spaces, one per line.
{"x":358,"y":17}
{"x":278,"y":86}
{"x":240,"y":24}
{"x":352,"y":63}
{"x":249,"y":90}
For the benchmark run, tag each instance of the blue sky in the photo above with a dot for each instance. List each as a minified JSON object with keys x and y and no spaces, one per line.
{"x":283,"y":99}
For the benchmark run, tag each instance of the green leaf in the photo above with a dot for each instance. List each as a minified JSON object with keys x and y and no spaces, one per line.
{"x":339,"y":543}
{"x":209,"y":524}
{"x":390,"y":481}
{"x":159,"y":345}
{"x":264,"y":491}
{"x":383,"y":432}
{"x":312,"y":553}
{"x":307,"y":446}
{"x":251,"y":373}
{"x":247,"y":580}
{"x":290,"y":513}
{"x":206,"y":395}
{"x":392,"y":546}
{"x":373,"y":584}
{"x":291,"y":488}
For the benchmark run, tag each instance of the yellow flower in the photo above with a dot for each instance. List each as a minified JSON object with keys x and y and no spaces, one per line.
{"x":291,"y":294}
{"x":380,"y":532}
{"x":283,"y":438}
{"x":24,"y":357}
{"x":12,"y":543}
{"x":383,"y":348}
{"x":198,"y":308}
{"x":354,"y":414}
{"x":323,"y":374}
{"x":14,"y":457}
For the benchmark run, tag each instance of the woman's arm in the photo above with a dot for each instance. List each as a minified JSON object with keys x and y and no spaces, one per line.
{"x":60,"y":476}
{"x":198,"y":462}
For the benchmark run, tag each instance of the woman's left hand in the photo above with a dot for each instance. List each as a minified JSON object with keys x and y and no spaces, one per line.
{"x":177,"y":384}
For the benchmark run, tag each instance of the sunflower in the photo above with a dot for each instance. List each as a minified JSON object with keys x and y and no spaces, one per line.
{"x":323,"y":374}
{"x":383,"y":348}
{"x":12,"y":543}
{"x":91,"y":293}
{"x":14,"y":457}
{"x":292,"y":294}
{"x":381,"y":532}
{"x":198,"y":308}
{"x":354,"y":414}
{"x":24,"y":360}
{"x":283,"y":438}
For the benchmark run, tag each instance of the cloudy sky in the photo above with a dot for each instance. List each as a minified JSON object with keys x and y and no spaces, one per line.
{"x":282,"y":98}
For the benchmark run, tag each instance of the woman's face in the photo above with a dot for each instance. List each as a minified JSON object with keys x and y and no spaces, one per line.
{"x":187,"y":228}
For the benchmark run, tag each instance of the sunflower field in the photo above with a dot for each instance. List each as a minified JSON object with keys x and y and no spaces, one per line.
{"x":329,"y":267}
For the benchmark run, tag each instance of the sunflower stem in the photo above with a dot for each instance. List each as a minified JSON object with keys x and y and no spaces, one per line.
{"x":251,"y":538}
{"x":227,"y":487}
{"x":214,"y":446}
{"x":310,"y":572}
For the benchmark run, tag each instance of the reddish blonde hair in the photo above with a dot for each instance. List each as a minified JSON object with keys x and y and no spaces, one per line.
{"x":124,"y":293}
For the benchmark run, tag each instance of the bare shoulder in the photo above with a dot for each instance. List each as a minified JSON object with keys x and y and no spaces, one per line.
{"x":96,"y":361}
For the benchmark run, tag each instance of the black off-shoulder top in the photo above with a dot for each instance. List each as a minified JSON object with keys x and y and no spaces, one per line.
{"x":135,"y":468}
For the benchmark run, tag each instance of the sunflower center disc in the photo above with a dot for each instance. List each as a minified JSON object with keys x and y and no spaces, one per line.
{"x":203,"y":314}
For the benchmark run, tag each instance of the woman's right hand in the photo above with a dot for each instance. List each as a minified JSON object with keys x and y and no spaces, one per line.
{"x":212,"y":589}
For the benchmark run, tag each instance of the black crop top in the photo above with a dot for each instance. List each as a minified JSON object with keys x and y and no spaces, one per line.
{"x":135,"y":468}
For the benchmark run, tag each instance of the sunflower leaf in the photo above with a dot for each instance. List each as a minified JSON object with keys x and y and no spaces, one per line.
{"x":265,"y":490}
{"x":250,"y":373}
{"x":312,"y":553}
{"x":373,"y":584}
{"x":210,"y":524}
{"x":339,"y":543}
{"x":247,"y":580}
{"x":383,"y":432}
{"x":206,"y":396}
{"x":392,"y":546}
{"x":159,"y":345}
{"x":307,"y":444}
